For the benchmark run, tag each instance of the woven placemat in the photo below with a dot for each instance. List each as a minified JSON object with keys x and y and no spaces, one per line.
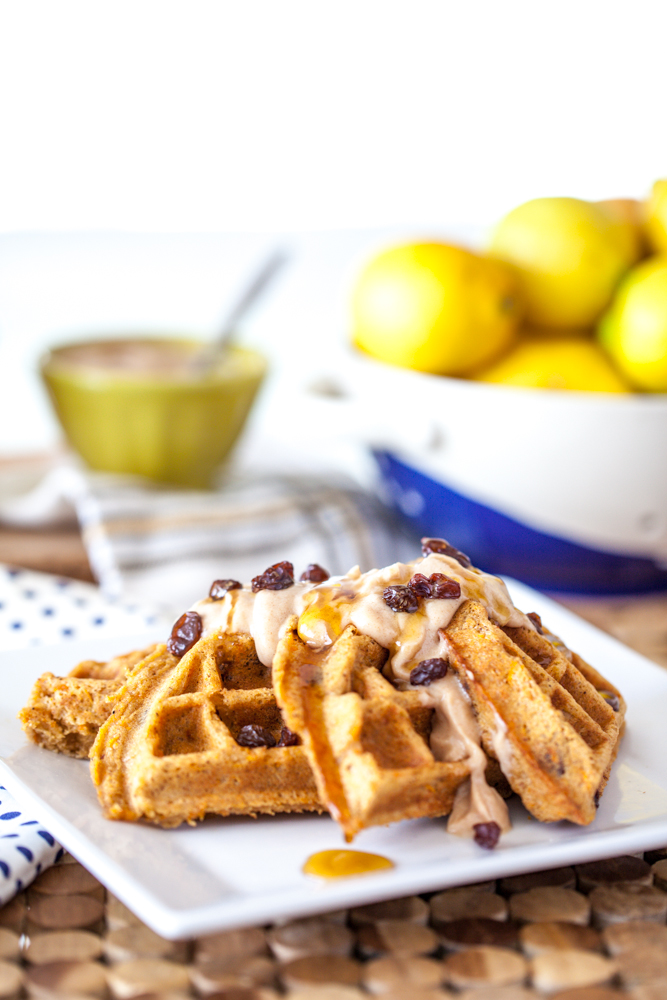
{"x":596,"y":931}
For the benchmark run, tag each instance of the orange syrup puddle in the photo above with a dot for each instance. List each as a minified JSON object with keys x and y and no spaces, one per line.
{"x":343,"y":863}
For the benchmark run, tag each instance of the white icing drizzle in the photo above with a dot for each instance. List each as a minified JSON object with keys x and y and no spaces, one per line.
{"x":455,"y":736}
{"x":325,"y":609}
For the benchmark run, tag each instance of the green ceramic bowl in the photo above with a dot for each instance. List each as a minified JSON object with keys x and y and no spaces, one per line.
{"x":135,"y":405}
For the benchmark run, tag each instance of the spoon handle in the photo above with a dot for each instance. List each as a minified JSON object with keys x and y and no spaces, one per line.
{"x":215,"y":350}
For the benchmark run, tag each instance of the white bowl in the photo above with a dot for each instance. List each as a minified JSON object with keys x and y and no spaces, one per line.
{"x":564,"y":490}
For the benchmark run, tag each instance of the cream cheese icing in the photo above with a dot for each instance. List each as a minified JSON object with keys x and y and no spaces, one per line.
{"x":455,"y":736}
{"x":325,"y":609}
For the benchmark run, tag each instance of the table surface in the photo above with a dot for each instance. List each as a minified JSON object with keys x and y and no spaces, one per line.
{"x":593,"y":932}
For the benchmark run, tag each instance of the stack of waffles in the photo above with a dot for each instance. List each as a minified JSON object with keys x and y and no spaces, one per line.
{"x":413,"y":691}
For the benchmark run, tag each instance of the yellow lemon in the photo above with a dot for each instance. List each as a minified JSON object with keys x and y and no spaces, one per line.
{"x":627,"y":217}
{"x":565,"y":363}
{"x":634,"y":330}
{"x":655,"y":216}
{"x":435,"y":308}
{"x":569,"y":256}
{"x":554,"y":333}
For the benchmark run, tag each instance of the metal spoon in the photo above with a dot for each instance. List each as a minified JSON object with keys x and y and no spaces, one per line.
{"x":212,"y":353}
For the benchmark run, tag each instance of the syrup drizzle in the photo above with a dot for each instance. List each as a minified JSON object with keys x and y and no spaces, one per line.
{"x":343,"y":863}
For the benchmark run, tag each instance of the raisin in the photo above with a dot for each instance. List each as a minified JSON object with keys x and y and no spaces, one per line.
{"x":612,"y":700}
{"x":220,"y":587}
{"x":400,"y":598}
{"x":420,"y":585}
{"x":314,"y":574}
{"x":185,"y":633}
{"x":437,"y":586}
{"x":443,"y":548}
{"x":536,"y":620}
{"x":280,"y":576}
{"x":428,"y":671}
{"x":288,"y":738}
{"x":255,"y":736}
{"x":443,"y":587}
{"x":487,"y":835}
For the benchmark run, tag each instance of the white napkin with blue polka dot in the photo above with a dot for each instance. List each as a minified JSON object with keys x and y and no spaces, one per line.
{"x":39,"y":609}
{"x":26,"y":848}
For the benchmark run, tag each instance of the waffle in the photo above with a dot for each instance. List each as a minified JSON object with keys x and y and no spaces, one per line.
{"x":65,"y":713}
{"x":169,"y":752}
{"x":552,"y":721}
{"x":365,"y":740}
{"x":382,"y":696}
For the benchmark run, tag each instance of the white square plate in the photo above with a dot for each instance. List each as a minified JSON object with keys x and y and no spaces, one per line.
{"x":229,"y":872}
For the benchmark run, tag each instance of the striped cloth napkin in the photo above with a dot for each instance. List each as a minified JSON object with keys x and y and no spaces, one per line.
{"x":165,"y":547}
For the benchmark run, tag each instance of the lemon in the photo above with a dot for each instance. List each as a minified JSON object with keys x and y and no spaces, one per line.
{"x":554,"y":333}
{"x":627,"y":217}
{"x":634,"y":330}
{"x":569,"y":256}
{"x":434,"y":307}
{"x":548,"y":363}
{"x":656,"y":216}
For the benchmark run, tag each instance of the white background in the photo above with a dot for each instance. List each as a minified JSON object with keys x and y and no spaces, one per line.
{"x":294,"y":114}
{"x":341,"y":122}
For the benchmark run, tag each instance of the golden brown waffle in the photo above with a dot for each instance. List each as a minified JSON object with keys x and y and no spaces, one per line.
{"x":366,"y":741}
{"x":205,"y":732}
{"x":65,"y":713}
{"x":169,"y":752}
{"x":553,"y":721}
